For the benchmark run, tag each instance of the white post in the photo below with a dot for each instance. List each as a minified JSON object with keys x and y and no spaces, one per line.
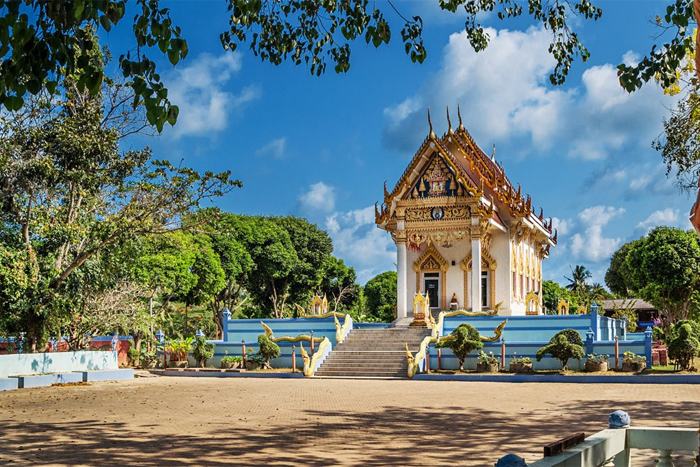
{"x":401,"y":302}
{"x":476,"y":265}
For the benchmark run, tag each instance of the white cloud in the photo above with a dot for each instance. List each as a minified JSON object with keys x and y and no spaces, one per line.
{"x":563,"y":226}
{"x":505,"y":95}
{"x":590,"y":244}
{"x":320,"y":198}
{"x":666,"y":216}
{"x":274,"y":149}
{"x":360,"y":243}
{"x":198,"y":89}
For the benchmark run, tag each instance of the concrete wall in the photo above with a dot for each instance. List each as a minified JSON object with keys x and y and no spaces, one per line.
{"x":57,"y":362}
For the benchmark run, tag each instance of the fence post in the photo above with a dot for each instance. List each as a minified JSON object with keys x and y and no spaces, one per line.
{"x":226,"y":317}
{"x":617,"y":352}
{"x":624,"y":328}
{"x":620,"y":420}
{"x":243,"y":350}
{"x":503,"y":352}
{"x":647,"y":346}
{"x":294,"y":359}
{"x":589,"y":341}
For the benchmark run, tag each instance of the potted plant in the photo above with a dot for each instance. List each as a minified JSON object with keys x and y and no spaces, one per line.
{"x":178,"y":350}
{"x":596,"y":362}
{"x":202,"y":351}
{"x":633,"y":362}
{"x":486,"y":363}
{"x":254,"y":362}
{"x":231,"y":362}
{"x":520,"y":364}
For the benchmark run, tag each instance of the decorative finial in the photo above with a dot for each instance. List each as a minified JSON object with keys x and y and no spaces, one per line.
{"x":459,"y":115}
{"x":430,"y":123}
{"x":449,"y":123}
{"x":493,"y":154}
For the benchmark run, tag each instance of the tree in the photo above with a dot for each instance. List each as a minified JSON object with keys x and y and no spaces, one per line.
{"x":663,"y":268}
{"x":684,"y":343}
{"x":268,"y":349}
{"x":578,"y":280}
{"x":41,"y":42}
{"x":462,"y":340}
{"x":380,"y":294}
{"x":552,"y":293}
{"x":339,"y":283}
{"x":616,"y":277}
{"x":67,"y":193}
{"x":564,"y":345}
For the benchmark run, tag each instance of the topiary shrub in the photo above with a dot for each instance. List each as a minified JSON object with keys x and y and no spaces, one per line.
{"x":683,"y":342}
{"x":268,"y":349}
{"x":564,"y":345}
{"x":202,"y":351}
{"x":461,"y":341}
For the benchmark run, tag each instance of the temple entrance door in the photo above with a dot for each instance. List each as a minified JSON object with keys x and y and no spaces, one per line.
{"x":432,"y":287}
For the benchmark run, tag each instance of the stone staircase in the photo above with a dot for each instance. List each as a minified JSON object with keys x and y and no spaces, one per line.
{"x":373,"y":353}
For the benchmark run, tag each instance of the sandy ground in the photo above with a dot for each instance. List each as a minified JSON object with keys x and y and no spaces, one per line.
{"x":162,"y":421}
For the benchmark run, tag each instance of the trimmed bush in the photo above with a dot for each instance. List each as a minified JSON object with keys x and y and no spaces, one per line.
{"x":683,"y":342}
{"x":564,"y":345}
{"x":268,"y":349}
{"x":462,"y":340}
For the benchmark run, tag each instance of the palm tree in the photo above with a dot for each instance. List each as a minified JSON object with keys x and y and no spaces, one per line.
{"x":577,"y":281}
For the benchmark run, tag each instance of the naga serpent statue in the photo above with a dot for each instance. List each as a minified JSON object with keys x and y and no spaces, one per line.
{"x":497,"y":333}
{"x":299,"y":338}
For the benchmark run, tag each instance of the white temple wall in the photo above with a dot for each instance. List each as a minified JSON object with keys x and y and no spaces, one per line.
{"x":412,"y":257}
{"x":500,"y":250}
{"x":455,"y":274}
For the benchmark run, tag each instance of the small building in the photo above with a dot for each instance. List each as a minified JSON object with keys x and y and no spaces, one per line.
{"x":465,"y":236}
{"x":646,"y":312}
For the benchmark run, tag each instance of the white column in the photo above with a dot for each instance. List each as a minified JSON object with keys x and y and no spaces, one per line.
{"x":476,"y":266}
{"x":401,"y":289}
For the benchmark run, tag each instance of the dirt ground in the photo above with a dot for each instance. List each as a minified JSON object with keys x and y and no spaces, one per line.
{"x":173,"y":421}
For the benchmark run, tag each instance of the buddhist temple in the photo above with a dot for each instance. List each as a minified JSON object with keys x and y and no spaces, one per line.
{"x":466,"y":238}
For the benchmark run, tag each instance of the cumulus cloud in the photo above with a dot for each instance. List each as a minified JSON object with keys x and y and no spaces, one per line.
{"x":590,"y":244}
{"x":274,"y":149}
{"x":505,"y":94}
{"x":198,"y":89}
{"x":320,"y":198}
{"x":563,"y":226}
{"x":360,"y":243}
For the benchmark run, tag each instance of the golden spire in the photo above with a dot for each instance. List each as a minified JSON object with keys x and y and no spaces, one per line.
{"x":430,"y":123}
{"x":459,"y":115}
{"x":448,"y":120}
{"x":493,"y":154}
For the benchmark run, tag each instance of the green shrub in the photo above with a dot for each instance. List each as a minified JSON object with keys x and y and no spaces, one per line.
{"x":268,"y":349}
{"x":232,"y":359}
{"x":463,"y":340}
{"x":631,"y":357}
{"x":657,"y":333}
{"x":597,"y":358}
{"x":202,"y":351}
{"x":564,"y":345}
{"x":684,"y":343}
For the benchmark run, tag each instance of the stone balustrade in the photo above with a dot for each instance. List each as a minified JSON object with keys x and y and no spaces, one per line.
{"x":613,"y":447}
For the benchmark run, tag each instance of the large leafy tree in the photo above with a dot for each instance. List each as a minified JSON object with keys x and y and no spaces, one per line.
{"x":68,"y":192}
{"x":40,"y":41}
{"x":380,"y":295}
{"x":663,"y":268}
{"x":339,"y":283}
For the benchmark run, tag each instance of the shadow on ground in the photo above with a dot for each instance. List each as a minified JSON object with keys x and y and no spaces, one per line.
{"x":412,"y":435}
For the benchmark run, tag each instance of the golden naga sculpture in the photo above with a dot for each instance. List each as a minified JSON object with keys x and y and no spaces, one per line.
{"x":497,"y":333}
{"x":299,"y":338}
{"x":494,"y":312}
{"x":304,"y":314}
{"x":310,"y":362}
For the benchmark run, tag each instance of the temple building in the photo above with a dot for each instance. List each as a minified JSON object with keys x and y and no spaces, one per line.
{"x":465,"y":236}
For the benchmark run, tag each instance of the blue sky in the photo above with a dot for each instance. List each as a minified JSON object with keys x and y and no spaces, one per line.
{"x":321,"y":148}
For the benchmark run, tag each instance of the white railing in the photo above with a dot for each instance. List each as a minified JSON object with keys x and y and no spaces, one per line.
{"x":612,"y":447}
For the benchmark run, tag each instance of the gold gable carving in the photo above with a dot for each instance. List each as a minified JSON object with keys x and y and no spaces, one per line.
{"x":487,"y":261}
{"x":430,"y":260}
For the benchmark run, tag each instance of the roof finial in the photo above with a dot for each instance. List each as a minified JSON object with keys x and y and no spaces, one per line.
{"x":430,"y":123}
{"x":493,"y":154}
{"x":449,"y":123}
{"x":459,"y":115}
